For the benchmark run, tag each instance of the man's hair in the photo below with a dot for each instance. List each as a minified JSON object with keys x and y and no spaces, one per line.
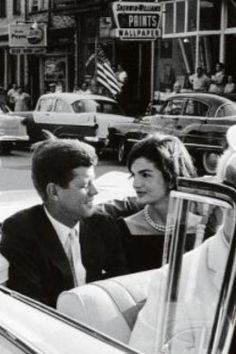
{"x":167,"y":153}
{"x":54,"y":159}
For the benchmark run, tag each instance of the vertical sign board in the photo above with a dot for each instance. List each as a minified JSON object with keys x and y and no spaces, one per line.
{"x":136,"y":21}
{"x":27,"y":38}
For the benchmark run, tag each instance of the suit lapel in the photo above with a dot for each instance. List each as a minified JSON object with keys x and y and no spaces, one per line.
{"x":53,"y":248}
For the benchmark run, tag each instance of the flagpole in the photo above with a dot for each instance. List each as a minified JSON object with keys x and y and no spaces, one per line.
{"x":96,"y":52}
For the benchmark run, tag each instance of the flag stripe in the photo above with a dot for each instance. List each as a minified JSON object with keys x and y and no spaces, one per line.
{"x":101,"y":73}
{"x":105,"y":75}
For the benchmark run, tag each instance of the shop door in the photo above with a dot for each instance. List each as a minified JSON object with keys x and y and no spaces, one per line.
{"x":34,"y":79}
{"x":135,"y":58}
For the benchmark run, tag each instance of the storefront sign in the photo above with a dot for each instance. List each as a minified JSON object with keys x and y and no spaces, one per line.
{"x":105,"y":26}
{"x":28,"y":37}
{"x":136,"y":21}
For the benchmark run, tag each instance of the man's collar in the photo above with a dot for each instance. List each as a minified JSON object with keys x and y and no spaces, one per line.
{"x":61,"y":229}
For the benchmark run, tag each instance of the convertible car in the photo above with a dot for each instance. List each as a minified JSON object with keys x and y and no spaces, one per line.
{"x":100,"y":317}
{"x":200,"y":120}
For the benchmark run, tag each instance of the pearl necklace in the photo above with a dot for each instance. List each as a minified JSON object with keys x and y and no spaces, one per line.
{"x":154,"y":224}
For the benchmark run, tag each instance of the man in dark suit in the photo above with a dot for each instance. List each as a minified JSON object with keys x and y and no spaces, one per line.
{"x":36,"y":241}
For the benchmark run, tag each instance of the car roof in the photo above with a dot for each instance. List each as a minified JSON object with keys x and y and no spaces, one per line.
{"x":71,"y":97}
{"x":204,"y":96}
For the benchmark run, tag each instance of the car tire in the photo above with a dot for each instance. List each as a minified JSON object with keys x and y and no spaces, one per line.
{"x":122,"y":152}
{"x":209,"y":162}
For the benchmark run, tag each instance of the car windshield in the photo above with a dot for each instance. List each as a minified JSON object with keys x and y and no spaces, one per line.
{"x":102,"y":106}
{"x":188,"y":296}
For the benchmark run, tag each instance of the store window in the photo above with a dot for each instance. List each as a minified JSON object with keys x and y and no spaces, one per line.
{"x":16,"y":7}
{"x":169,"y":17}
{"x":192,"y":15}
{"x":180,"y":16}
{"x":210,"y":15}
{"x":209,"y":52}
{"x":232,"y":13}
{"x":55,"y":71}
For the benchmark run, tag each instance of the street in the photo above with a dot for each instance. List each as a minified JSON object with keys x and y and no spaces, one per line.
{"x":15,"y":170}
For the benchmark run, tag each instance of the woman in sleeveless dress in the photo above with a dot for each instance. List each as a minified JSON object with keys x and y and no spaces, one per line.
{"x":154,"y":164}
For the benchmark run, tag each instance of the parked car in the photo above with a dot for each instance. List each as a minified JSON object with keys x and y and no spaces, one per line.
{"x":12,"y":130}
{"x":99,"y":317}
{"x":200,"y":120}
{"x":198,"y":105}
{"x":83,"y":116}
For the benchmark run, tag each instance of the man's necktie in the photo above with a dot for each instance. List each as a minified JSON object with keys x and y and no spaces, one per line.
{"x":74,"y":255}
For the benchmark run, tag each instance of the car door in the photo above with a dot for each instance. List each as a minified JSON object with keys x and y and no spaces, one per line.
{"x":64,"y":122}
{"x":194,"y":114}
{"x":108,"y":113}
{"x":43,"y":111}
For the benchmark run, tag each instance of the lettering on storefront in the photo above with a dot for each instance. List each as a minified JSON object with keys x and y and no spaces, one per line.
{"x":136,"y":21}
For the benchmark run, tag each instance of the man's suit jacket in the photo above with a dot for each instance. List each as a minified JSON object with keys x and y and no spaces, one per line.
{"x":201,"y":279}
{"x":39,"y":267}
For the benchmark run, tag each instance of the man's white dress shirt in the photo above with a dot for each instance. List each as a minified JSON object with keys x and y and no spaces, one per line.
{"x":69,"y":239}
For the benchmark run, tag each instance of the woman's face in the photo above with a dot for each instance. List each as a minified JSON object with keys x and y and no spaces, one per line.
{"x":148,"y":182}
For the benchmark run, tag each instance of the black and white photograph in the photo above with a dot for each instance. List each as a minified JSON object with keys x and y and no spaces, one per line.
{"x":117,"y":177}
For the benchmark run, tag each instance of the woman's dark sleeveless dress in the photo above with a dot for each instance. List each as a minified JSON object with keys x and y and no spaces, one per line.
{"x":144,"y":252}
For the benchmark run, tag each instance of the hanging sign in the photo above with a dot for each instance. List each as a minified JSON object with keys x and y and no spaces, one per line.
{"x":136,"y":21}
{"x":27,"y":38}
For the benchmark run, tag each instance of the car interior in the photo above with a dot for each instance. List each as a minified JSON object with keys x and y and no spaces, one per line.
{"x":112,"y":306}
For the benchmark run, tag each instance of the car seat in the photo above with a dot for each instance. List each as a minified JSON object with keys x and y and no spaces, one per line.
{"x":110,"y":306}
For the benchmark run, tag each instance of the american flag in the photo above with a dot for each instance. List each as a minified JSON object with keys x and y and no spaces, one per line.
{"x":105,"y":75}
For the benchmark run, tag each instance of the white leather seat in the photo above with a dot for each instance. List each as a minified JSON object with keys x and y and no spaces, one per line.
{"x":110,"y":306}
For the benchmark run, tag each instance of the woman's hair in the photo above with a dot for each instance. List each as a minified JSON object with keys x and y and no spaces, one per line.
{"x":167,"y":153}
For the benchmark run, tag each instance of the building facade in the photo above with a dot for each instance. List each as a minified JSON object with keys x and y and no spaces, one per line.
{"x":193,"y":33}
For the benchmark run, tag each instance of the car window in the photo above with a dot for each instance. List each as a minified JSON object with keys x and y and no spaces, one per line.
{"x":173,"y":107}
{"x":110,"y":108}
{"x":62,"y":106}
{"x":226,"y":110}
{"x":196,"y":108}
{"x":97,"y":106}
{"x":45,"y":105}
{"x":83,"y":106}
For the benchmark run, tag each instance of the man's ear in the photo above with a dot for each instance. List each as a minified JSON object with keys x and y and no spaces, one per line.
{"x":52,"y":191}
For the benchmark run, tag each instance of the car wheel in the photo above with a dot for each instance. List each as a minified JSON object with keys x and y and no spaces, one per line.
{"x":122,"y":152}
{"x":209,"y":162}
